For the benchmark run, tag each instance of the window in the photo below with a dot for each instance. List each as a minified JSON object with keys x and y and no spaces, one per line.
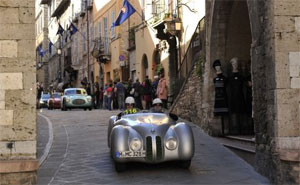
{"x":105,"y":35}
{"x":73,"y":13}
{"x":92,"y":35}
{"x":84,"y":42}
{"x":112,"y":20}
{"x":83,"y":5}
{"x":100,"y":29}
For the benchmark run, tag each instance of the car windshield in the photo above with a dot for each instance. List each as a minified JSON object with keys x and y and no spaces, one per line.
{"x":75,"y":92}
{"x":56,"y":95}
{"x":154,"y":118}
{"x":45,"y":96}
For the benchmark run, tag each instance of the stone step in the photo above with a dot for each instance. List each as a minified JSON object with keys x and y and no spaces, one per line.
{"x":243,"y":146}
{"x":243,"y":143}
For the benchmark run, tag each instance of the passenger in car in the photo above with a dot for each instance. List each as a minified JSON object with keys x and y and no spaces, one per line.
{"x":157,"y":106}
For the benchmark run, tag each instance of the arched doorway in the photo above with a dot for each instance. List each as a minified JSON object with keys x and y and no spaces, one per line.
{"x":231,"y":38}
{"x":236,"y":29}
{"x":144,"y":71}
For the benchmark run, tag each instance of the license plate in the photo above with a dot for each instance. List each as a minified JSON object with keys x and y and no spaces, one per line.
{"x":131,"y":154}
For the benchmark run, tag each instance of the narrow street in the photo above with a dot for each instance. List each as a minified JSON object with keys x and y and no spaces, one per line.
{"x":79,"y":155}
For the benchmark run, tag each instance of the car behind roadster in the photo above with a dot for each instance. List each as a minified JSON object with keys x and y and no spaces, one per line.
{"x":149,"y":138}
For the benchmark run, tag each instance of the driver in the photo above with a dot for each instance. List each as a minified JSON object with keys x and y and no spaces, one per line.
{"x":157,"y":106}
{"x":129,"y":104}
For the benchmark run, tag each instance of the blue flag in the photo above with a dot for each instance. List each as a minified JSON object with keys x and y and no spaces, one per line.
{"x":41,"y":51}
{"x":72,"y":29}
{"x":126,"y":11}
{"x":60,"y":30}
{"x":50,"y":47}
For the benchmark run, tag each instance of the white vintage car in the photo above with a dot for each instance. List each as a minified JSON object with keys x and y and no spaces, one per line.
{"x":149,"y":138}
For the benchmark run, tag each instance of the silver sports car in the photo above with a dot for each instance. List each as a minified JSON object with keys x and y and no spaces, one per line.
{"x":149,"y":138}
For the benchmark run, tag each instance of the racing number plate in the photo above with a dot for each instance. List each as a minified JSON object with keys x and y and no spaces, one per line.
{"x":131,"y":154}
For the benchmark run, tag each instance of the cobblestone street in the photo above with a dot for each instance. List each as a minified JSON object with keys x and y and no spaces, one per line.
{"x":79,"y":155}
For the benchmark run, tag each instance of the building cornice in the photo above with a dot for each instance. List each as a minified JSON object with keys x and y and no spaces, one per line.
{"x":45,"y":1}
{"x":63,"y":5}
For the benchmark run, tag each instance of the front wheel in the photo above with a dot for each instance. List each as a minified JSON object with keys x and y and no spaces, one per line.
{"x":120,"y":167}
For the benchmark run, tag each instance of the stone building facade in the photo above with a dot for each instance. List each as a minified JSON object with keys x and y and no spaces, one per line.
{"x":18,"y":162}
{"x":265,"y":34}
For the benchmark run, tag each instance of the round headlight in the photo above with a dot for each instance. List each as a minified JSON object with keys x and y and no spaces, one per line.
{"x":68,"y":99}
{"x":89,"y":99}
{"x":135,"y":144}
{"x":171,"y":143}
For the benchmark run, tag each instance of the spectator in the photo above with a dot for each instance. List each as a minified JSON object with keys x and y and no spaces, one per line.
{"x":101,"y":97}
{"x":138,"y":94}
{"x":114,"y":97}
{"x":105,"y":102}
{"x":96,"y":95}
{"x":109,"y":92}
{"x":121,"y":95}
{"x":88,"y":89}
{"x":162,"y":90}
{"x":147,"y":91}
{"x":154,"y":87}
{"x":39,"y":93}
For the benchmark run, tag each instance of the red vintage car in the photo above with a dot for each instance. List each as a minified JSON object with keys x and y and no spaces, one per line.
{"x":54,"y":101}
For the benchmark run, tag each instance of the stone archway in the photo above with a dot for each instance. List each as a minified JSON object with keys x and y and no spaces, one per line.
{"x":229,"y":35}
{"x":267,"y":57}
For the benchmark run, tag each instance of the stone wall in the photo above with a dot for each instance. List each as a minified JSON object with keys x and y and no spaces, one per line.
{"x":17,"y":92}
{"x":287,"y":92}
{"x":275,"y":70}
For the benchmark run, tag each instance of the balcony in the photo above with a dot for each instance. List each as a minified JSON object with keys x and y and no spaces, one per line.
{"x":101,"y":52}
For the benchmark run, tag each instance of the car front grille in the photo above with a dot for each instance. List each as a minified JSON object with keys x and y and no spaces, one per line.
{"x":149,"y":154}
{"x":78,"y":102}
{"x":159,"y":148}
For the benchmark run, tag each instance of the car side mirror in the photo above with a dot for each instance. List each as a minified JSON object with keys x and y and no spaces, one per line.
{"x":173,"y":116}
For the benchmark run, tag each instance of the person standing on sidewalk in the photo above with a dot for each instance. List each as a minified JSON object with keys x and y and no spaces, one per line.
{"x":109,"y":92}
{"x":96,"y":95}
{"x":39,"y":93}
{"x":162,"y":90}
{"x":121,"y":94}
{"x":105,"y":106}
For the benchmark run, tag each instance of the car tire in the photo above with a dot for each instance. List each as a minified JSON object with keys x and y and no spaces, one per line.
{"x":64,"y":106}
{"x":84,"y":109}
{"x":185,"y":164}
{"x":120,"y":167}
{"x":90,"y":108}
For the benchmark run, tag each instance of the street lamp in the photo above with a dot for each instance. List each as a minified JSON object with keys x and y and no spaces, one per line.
{"x":59,"y":51}
{"x":59,"y":63}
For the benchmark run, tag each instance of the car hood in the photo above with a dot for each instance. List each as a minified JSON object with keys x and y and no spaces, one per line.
{"x":77,"y":96}
{"x":149,"y":128}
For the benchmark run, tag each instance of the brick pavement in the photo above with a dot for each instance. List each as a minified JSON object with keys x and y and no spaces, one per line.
{"x":79,"y":155}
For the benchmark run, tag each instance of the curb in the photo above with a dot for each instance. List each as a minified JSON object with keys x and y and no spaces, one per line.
{"x":50,"y":140}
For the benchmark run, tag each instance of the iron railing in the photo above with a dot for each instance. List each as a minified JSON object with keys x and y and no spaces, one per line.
{"x":196,"y":45}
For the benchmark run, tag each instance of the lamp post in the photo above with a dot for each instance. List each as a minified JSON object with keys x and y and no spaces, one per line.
{"x":59,"y":63}
{"x":88,"y":40}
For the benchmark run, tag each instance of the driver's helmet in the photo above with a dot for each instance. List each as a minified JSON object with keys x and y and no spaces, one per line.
{"x":129,"y":100}
{"x":157,"y":101}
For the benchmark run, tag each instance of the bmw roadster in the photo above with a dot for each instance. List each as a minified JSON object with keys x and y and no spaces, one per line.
{"x":149,"y":138}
